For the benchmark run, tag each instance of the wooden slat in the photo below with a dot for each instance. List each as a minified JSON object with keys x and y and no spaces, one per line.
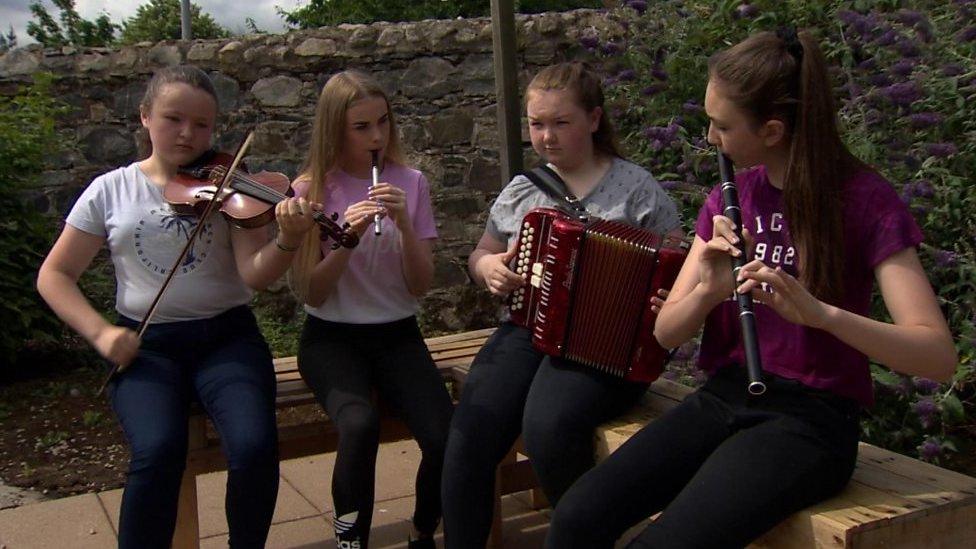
{"x":951,"y":529}
{"x":916,"y":469}
{"x":517,"y":477}
{"x":465,"y":344}
{"x":474,"y":334}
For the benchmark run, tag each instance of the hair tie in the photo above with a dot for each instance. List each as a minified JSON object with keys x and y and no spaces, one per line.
{"x":792,"y":42}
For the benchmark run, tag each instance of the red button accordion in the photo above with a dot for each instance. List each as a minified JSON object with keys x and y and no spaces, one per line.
{"x":589,"y":288}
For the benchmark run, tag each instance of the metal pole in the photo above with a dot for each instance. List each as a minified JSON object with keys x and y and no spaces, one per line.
{"x":187,"y":31}
{"x":506,"y":87}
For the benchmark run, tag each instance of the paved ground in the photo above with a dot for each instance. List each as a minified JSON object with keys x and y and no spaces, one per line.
{"x":302,"y":517}
{"x":11,"y":496}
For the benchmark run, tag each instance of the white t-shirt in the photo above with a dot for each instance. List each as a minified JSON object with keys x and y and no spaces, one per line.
{"x":145,"y":236}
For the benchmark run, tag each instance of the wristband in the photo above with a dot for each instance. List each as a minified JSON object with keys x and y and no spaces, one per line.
{"x":285,"y":248}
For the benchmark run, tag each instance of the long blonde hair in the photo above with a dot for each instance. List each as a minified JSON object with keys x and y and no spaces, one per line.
{"x":325,"y":151}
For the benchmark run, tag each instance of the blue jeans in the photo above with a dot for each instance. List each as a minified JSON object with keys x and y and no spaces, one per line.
{"x":224,"y":363}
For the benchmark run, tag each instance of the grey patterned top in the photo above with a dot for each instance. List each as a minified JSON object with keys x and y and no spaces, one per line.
{"x":627,"y":193}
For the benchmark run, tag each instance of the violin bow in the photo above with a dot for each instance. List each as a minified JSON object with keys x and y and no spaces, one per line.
{"x":211,"y":204}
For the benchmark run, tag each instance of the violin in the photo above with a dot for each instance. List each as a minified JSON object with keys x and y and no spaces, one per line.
{"x":247,"y":200}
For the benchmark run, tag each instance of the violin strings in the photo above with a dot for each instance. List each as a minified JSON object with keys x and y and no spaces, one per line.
{"x":253,"y":185}
{"x":258,"y":188}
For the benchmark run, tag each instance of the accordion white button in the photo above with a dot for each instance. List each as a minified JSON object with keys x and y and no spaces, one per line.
{"x":537,"y":269}
{"x":536,"y":280}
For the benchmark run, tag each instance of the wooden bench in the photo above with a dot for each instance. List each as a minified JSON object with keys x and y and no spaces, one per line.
{"x":892,"y":500}
{"x":314,"y":436}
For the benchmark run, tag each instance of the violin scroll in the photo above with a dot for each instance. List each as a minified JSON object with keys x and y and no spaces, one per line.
{"x":341,"y":235}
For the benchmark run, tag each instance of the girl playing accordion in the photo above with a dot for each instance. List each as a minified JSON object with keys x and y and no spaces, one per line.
{"x":513,"y":388}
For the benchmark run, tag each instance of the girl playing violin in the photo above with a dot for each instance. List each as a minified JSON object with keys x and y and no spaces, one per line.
{"x":361,"y":334}
{"x":725,"y":467}
{"x":203,"y":343}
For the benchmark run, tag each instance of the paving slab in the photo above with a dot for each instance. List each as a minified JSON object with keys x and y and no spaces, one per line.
{"x":211,"y":490}
{"x":112,"y":502}
{"x":78,"y":522}
{"x":396,"y":470}
{"x":307,"y":533}
{"x":312,"y":477}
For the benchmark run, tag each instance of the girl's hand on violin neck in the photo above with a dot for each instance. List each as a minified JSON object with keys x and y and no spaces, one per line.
{"x":117,"y":344}
{"x":498,"y":278}
{"x":360,"y":215}
{"x":294,"y":217}
{"x":394,"y":199}
{"x":784,"y":293}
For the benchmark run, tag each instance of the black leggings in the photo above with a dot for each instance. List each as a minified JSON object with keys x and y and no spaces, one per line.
{"x":342,"y":364}
{"x":514,"y":389}
{"x":724,"y":469}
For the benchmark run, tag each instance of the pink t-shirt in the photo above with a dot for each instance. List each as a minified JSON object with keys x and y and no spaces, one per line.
{"x":876,"y":225}
{"x":372,"y":289}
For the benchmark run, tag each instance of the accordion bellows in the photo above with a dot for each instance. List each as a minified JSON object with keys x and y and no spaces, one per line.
{"x":588,"y":292}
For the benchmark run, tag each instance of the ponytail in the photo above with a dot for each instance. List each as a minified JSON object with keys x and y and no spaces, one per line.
{"x":784,"y":76}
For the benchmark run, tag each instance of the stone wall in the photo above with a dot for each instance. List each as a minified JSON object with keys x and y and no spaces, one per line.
{"x":439,"y":75}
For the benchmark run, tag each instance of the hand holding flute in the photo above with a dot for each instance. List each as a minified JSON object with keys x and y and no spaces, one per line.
{"x":388,"y":201}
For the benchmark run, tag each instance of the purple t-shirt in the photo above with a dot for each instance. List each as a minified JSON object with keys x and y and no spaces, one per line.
{"x":372,"y":289}
{"x":876,"y":225}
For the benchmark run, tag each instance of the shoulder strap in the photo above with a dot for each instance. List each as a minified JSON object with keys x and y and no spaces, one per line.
{"x":550,"y":183}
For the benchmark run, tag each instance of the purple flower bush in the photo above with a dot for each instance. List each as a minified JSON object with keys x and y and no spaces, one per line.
{"x":905,"y":83}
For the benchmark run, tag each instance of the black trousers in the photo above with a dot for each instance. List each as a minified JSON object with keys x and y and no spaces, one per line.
{"x":343,"y":364}
{"x":722,"y":466}
{"x":512,"y":389}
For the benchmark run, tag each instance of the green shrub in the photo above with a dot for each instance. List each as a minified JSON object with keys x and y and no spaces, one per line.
{"x":27,"y":138}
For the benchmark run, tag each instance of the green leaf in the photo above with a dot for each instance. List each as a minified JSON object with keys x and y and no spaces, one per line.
{"x":952,"y":409}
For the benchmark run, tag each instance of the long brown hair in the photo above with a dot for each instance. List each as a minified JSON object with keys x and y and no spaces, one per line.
{"x":585,"y":85}
{"x":784,"y":76}
{"x":325,"y":151}
{"x":179,"y":74}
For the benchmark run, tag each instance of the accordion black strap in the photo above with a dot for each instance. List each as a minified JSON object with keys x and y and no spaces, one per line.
{"x":550,"y":183}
